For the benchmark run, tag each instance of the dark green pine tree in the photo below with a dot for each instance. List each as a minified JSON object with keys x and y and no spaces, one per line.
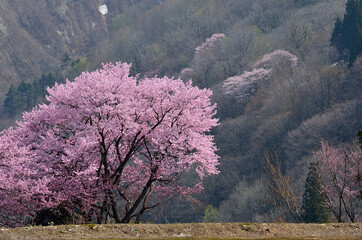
{"x":347,"y":34}
{"x":349,"y":22}
{"x":313,"y":209}
{"x":356,"y":48}
{"x":337,"y":39}
{"x":352,"y":26}
{"x":37,"y":95}
{"x":26,"y":95}
{"x":46,"y":81}
{"x":12,"y":103}
{"x":66,"y":61}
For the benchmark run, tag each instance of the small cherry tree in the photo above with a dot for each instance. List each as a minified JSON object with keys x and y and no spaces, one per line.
{"x":210,"y":43}
{"x":113,"y":145}
{"x":244,"y":86}
{"x":340,"y":169}
{"x":204,"y":68}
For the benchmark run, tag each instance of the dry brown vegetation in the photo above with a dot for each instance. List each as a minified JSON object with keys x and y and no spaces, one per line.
{"x":188,"y":231}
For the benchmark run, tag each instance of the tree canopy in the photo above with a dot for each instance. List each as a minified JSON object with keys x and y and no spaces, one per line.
{"x":108,"y":144}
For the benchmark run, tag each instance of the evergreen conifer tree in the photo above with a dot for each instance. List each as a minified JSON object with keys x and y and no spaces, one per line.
{"x":313,"y":209}
{"x":26,"y":95}
{"x":349,"y":22}
{"x":336,"y":39}
{"x":37,"y":96}
{"x":347,"y":34}
{"x":12,"y":103}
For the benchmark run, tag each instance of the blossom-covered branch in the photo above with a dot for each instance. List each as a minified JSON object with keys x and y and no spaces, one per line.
{"x":109,"y":143}
{"x":341,"y":170}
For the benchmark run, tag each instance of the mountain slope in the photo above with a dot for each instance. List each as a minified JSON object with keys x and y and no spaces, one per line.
{"x":35,"y":34}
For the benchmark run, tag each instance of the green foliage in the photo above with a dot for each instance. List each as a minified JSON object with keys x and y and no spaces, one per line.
{"x":19,"y":99}
{"x":11,"y":103}
{"x":313,"y":209}
{"x":347,"y":34}
{"x":211,"y":214}
{"x":80,"y":65}
{"x":27,"y":95}
{"x":65,"y":61}
{"x":336,"y":39}
{"x":93,"y":226}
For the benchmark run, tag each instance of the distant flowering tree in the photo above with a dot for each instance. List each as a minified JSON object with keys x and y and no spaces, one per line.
{"x":340,"y":169}
{"x":186,"y":73}
{"x":209,"y":43}
{"x":203,"y":70}
{"x":108,"y":144}
{"x":277,"y":57}
{"x":243,"y":87}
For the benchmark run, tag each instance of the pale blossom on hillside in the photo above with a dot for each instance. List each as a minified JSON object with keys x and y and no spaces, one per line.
{"x":203,"y":57}
{"x":276,"y":57}
{"x":244,"y":86}
{"x":186,"y":74}
{"x":209,"y":43}
{"x":206,"y":55}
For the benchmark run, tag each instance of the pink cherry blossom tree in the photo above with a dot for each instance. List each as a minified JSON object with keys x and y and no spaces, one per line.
{"x":113,"y":145}
{"x":204,"y":68}
{"x":341,"y":174}
{"x":209,"y":43}
{"x":277,"y":57}
{"x":244,"y":86}
{"x":23,"y":188}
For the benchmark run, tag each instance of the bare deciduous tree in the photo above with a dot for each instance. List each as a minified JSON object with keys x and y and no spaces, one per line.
{"x":299,"y":33}
{"x":279,"y":185}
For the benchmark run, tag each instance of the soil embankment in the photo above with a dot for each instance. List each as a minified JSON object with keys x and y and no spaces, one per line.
{"x":188,"y":231}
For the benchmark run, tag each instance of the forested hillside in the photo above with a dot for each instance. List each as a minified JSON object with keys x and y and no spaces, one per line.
{"x":35,"y":35}
{"x":285,"y":75}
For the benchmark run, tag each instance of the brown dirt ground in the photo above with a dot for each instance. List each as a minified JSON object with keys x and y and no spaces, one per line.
{"x":188,"y":231}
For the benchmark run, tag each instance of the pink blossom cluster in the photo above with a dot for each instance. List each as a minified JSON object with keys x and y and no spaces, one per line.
{"x":203,"y":53}
{"x":341,"y":171}
{"x":209,"y":43}
{"x":276,"y":57}
{"x":23,"y":187}
{"x":244,"y":86}
{"x":108,"y":141}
